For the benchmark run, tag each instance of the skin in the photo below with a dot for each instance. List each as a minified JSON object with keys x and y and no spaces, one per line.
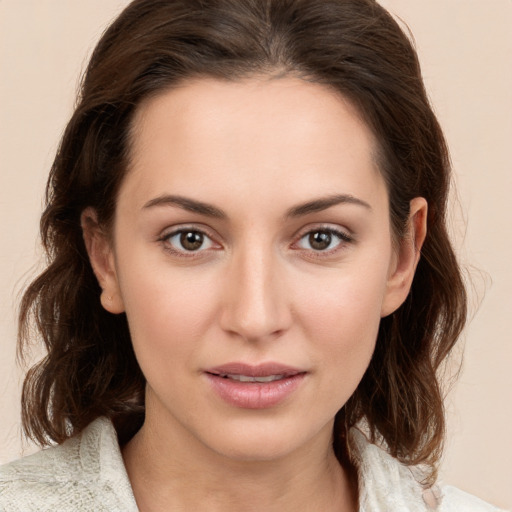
{"x":257,"y":290}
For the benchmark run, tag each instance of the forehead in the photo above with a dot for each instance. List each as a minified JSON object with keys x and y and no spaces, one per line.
{"x":202,"y":108}
{"x":285,"y":134}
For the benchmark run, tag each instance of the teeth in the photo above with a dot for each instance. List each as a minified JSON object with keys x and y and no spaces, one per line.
{"x":246,"y":378}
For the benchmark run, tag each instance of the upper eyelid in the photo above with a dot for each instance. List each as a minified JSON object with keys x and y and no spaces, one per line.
{"x":334,"y":228}
{"x":299,"y":233}
{"x":180,"y":228}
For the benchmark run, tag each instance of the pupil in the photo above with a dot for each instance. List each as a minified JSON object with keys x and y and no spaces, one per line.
{"x":191,"y":240}
{"x":320,"y":240}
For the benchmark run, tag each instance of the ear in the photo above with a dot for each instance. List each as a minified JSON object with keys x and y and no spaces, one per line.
{"x":406,"y":258}
{"x":101,"y":256}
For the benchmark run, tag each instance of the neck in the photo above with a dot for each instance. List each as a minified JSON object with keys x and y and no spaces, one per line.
{"x":168,"y":474}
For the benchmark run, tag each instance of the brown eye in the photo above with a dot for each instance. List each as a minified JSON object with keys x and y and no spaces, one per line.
{"x":320,"y":240}
{"x":187,"y":241}
{"x":191,"y":240}
{"x":324,"y":240}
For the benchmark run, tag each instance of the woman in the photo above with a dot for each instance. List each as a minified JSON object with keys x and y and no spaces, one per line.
{"x":236,"y":311}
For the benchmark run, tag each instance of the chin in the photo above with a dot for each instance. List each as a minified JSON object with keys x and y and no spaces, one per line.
{"x":263,"y":449}
{"x":266,"y":442}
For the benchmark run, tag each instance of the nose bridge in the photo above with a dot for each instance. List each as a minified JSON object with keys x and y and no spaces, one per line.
{"x":255,"y":306}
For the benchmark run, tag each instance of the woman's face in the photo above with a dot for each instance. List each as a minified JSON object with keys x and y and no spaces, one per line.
{"x":253,"y":257}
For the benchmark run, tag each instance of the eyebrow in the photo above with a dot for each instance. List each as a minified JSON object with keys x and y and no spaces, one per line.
{"x":185,"y":203}
{"x":324,"y":203}
{"x":209,"y":210}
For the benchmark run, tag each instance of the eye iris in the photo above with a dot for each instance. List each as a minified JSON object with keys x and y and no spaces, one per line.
{"x":320,"y":240}
{"x":191,"y":240}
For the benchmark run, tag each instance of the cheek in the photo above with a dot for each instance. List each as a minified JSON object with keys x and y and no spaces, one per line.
{"x":342,"y":317}
{"x":344,"y":302}
{"x":168,"y":311}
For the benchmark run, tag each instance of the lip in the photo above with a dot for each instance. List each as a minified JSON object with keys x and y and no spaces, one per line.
{"x":254,"y":395}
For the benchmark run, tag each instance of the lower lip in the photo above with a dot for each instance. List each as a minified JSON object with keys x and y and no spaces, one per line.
{"x":254,"y":395}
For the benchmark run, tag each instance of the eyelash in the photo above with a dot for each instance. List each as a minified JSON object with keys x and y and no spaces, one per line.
{"x":343,"y":240}
{"x":183,"y":253}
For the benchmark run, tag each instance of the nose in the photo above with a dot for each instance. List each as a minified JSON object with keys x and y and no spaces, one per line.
{"x":255,"y":305}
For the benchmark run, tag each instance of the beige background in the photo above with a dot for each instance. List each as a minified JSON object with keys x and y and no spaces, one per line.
{"x":466,"y":50}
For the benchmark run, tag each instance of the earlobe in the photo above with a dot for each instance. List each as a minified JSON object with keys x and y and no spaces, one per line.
{"x":101,"y":257}
{"x":407,"y":257}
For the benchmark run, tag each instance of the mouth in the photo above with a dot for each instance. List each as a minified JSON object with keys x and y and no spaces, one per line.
{"x":265,"y":372}
{"x":255,"y":387}
{"x":248,"y":378}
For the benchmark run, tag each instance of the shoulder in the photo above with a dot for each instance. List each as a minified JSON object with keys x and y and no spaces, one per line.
{"x":455,"y":500}
{"x":84,"y":473}
{"x":386,"y":484}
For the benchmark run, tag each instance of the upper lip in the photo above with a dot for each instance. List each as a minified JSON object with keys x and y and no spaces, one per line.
{"x":259,"y":370}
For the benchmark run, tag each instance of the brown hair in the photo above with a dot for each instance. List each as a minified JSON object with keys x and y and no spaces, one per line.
{"x":355,"y":47}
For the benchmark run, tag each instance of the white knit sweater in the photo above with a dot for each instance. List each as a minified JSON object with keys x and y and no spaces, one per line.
{"x":86,"y":474}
